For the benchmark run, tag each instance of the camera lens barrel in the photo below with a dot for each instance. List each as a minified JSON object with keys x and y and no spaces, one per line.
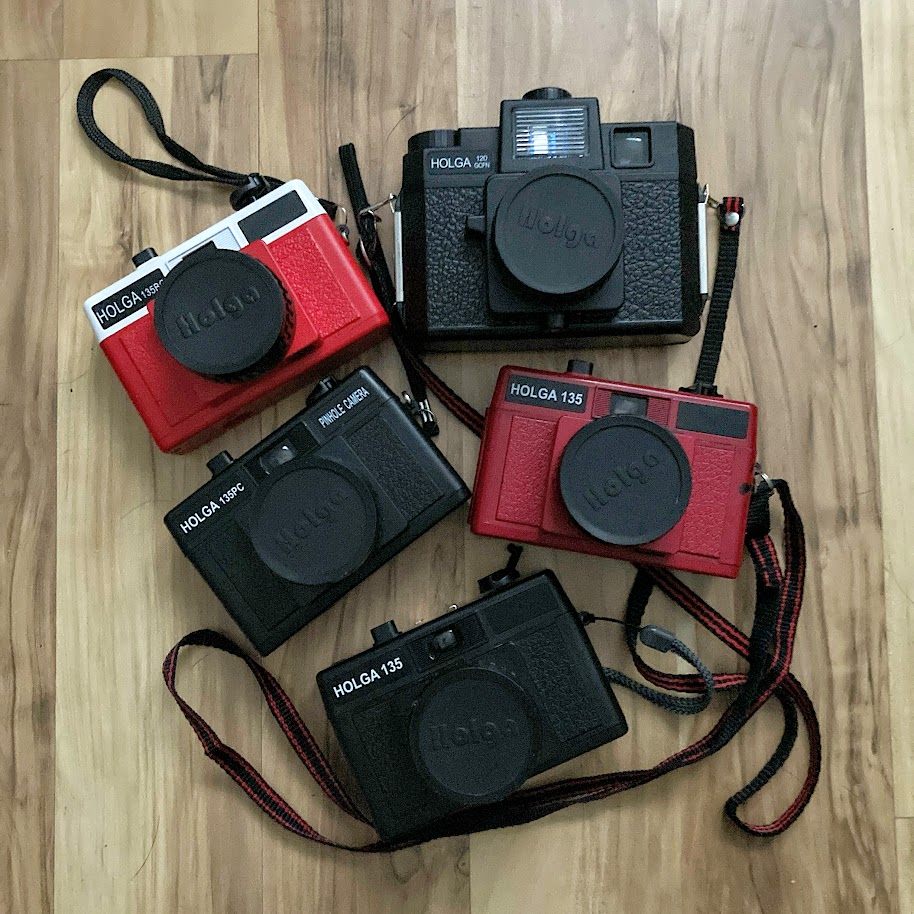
{"x":224,"y":315}
{"x":474,"y":735}
{"x":625,"y":480}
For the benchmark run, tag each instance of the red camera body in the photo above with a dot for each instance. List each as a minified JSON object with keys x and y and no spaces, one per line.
{"x":322,"y":312}
{"x":635,"y":473}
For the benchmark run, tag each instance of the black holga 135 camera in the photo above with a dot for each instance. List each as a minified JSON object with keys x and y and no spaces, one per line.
{"x":550,"y":226}
{"x":286,"y":530}
{"x":461,"y":711}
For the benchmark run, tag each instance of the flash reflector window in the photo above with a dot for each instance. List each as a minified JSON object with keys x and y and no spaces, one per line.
{"x":550,"y":132}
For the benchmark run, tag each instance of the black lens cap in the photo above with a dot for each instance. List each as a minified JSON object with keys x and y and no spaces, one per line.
{"x":474,"y":736}
{"x":223,"y":314}
{"x":315,"y":523}
{"x":559,"y":232}
{"x":625,"y":480}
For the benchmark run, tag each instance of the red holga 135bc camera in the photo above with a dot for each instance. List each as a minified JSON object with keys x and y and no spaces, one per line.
{"x":259,"y":304}
{"x":634,"y":473}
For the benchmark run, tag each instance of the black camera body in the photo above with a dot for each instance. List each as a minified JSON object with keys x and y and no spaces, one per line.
{"x":285,"y":531}
{"x":549,"y":227}
{"x":462,"y":710}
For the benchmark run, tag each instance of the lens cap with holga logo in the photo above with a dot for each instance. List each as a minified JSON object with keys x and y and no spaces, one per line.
{"x":315,"y":524}
{"x":223,"y":314}
{"x":625,"y":480}
{"x":559,"y":231}
{"x":473,"y":735}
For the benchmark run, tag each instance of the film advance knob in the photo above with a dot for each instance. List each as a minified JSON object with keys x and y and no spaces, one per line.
{"x":223,"y":314}
{"x":222,"y":461}
{"x":384,"y":632}
{"x":546,"y":94}
{"x":579,"y":366}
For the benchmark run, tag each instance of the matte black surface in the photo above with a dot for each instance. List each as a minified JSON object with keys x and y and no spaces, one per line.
{"x":315,"y":523}
{"x":712,"y":419}
{"x":223,"y":314}
{"x":559,"y":231}
{"x":625,"y":480}
{"x":266,"y":531}
{"x":273,"y":216}
{"x":653,"y":294}
{"x":474,"y":735}
{"x":516,"y":690}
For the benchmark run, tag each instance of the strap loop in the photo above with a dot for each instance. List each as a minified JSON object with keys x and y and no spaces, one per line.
{"x":248,"y":186}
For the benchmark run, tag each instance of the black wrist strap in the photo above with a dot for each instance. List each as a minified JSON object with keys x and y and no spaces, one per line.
{"x":769,"y":649}
{"x":371,"y":255}
{"x":247,"y":187}
{"x":730,"y":211}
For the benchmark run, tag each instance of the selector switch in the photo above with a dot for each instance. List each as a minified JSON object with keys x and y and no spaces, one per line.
{"x":385,"y":632}
{"x":443,"y":642}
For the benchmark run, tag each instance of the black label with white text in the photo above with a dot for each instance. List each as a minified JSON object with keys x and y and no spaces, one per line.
{"x":196,"y":514}
{"x":459,"y":161}
{"x":128,"y":300}
{"x":569,"y":398}
{"x":380,"y":671}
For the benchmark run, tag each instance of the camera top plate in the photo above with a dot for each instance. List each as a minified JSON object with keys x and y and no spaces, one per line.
{"x":316,"y":523}
{"x":625,"y":480}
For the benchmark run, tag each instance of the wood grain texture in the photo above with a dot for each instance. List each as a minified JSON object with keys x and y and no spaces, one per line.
{"x":30,"y":29}
{"x":332,"y":73}
{"x":141,"y":28}
{"x":806,"y":109}
{"x":141,"y":824}
{"x":28,"y":279}
{"x":888,"y":43}
{"x":905,"y":838}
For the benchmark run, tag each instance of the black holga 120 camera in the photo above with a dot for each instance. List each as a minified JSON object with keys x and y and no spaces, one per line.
{"x":550,"y":226}
{"x":286,"y":530}
{"x":461,"y":711}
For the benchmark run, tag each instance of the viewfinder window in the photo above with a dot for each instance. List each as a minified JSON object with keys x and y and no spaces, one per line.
{"x":631,"y":147}
{"x":557,"y":132}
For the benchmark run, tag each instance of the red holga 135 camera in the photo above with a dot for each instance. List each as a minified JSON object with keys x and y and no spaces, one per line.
{"x":635,"y":473}
{"x":259,"y":304}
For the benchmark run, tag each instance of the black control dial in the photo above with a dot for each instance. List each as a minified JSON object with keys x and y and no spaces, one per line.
{"x":546,"y":94}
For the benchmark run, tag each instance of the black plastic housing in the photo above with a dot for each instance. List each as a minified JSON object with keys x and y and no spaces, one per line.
{"x":277,"y":552}
{"x":451,"y":274}
{"x":525,"y":639}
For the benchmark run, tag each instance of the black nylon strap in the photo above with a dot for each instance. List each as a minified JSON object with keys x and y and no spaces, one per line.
{"x":533,"y":803}
{"x":248,"y":187}
{"x":371,"y":256}
{"x":731,"y":212}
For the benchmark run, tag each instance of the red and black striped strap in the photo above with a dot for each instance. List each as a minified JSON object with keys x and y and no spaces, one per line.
{"x":769,"y":650}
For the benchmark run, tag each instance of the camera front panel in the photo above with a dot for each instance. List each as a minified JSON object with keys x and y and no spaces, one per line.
{"x":462,"y":710}
{"x":333,"y":315}
{"x":286,"y":530}
{"x":660,"y":462}
{"x":458,"y":292}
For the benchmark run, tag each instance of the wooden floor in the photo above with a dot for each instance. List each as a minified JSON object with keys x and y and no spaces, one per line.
{"x":107,"y":803}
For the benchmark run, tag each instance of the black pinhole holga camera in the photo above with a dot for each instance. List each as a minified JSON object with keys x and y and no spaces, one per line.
{"x":283,"y":532}
{"x":462,"y":710}
{"x":551,"y":226}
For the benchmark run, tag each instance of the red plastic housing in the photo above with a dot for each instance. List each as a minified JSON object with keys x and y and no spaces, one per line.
{"x":337,"y":317}
{"x":517,"y":496}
